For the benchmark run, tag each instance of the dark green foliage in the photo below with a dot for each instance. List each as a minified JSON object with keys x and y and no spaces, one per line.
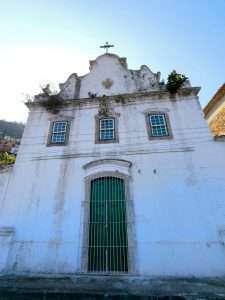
{"x":175,"y":81}
{"x":52,"y":104}
{"x":12,"y":129}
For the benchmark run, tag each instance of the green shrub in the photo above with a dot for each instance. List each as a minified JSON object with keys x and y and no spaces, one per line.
{"x":175,"y":81}
{"x":6,"y":158}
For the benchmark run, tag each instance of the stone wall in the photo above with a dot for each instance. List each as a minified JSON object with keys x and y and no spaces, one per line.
{"x":217,"y":124}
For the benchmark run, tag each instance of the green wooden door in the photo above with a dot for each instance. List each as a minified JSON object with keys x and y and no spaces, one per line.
{"x":108,"y":250}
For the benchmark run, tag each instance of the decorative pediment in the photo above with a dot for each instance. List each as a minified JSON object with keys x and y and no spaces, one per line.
{"x":121,"y":60}
{"x":70,"y":89}
{"x":109,"y":75}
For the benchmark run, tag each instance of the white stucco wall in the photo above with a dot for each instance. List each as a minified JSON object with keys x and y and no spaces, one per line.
{"x":5,"y":173}
{"x":177,"y":187}
{"x":6,"y":233}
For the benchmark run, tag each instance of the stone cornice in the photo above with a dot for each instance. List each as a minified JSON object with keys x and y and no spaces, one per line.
{"x":160,"y":94}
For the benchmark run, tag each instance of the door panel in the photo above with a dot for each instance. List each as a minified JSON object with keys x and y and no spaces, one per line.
{"x":108,"y":247}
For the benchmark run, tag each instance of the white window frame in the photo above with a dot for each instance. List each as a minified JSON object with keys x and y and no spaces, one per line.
{"x":53,"y":132}
{"x":106,"y":129}
{"x":150,"y":126}
{"x":157,"y":126}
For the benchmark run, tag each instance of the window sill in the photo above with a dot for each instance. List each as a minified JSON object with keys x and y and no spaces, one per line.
{"x":106,"y":142}
{"x":56,"y":144}
{"x":167,"y":137}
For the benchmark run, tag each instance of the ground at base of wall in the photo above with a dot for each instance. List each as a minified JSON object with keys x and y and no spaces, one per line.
{"x":110,"y":287}
{"x":56,"y":296}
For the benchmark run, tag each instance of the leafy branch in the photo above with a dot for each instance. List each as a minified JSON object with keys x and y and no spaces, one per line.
{"x":175,"y":81}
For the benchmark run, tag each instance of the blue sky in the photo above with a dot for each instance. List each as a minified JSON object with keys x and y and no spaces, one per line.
{"x":45,"y":41}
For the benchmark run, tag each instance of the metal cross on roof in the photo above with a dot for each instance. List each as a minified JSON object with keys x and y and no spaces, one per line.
{"x":106,"y":47}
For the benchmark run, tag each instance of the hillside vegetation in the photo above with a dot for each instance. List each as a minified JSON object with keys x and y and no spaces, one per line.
{"x":12,"y":129}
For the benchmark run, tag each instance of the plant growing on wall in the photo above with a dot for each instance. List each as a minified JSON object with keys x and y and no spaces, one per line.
{"x":6,"y":158}
{"x":53,"y":100}
{"x":175,"y":81}
{"x":52,"y":103}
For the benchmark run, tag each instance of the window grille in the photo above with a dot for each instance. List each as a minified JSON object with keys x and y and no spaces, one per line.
{"x":106,"y":129}
{"x":59,"y":131}
{"x":158,"y":125}
{"x":108,"y":244}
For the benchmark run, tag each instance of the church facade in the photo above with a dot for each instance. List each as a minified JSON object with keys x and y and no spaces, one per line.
{"x":118,"y":192}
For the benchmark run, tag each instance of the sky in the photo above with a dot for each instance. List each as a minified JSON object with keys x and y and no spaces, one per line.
{"x":46,"y":40}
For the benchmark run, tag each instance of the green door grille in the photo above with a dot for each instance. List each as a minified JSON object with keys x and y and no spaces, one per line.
{"x":108,"y":250}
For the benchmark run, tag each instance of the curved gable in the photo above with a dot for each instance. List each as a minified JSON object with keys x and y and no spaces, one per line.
{"x":109,"y":75}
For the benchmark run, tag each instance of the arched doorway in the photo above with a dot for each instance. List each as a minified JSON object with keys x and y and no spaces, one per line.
{"x":108,"y":242}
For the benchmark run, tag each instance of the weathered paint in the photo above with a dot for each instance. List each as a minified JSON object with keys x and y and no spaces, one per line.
{"x":176,"y":185}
